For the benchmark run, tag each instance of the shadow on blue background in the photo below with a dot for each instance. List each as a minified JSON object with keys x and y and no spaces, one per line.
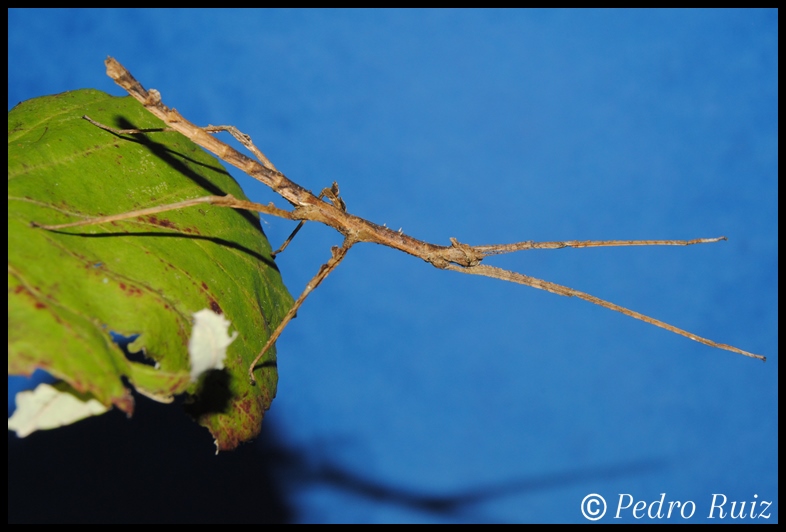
{"x":112,"y":469}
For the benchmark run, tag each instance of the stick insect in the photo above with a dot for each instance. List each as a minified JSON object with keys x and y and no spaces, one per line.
{"x":329,"y":209}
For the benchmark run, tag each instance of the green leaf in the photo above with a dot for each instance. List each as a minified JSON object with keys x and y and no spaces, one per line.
{"x":147,"y":276}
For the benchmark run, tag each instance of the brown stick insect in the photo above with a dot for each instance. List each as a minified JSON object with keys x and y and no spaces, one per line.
{"x":329,"y":209}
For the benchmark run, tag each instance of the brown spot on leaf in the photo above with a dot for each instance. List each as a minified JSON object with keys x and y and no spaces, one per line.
{"x":245,"y":405}
{"x":125,"y":403}
{"x":155,"y":220}
{"x":131,"y":290}
{"x":215,"y":307}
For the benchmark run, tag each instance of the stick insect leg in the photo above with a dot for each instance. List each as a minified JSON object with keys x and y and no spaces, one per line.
{"x":241,"y":137}
{"x":245,"y":140}
{"x":289,"y":238}
{"x":338,"y":255}
{"x":499,"y":249}
{"x":554,"y":288}
{"x":125,"y":131}
{"x":329,"y":193}
{"x":220,"y":201}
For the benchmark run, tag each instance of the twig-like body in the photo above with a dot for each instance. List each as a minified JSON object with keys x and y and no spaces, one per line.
{"x":307,"y":206}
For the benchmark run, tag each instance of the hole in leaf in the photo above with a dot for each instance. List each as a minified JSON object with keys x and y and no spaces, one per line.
{"x":124,"y":341}
{"x":20,"y":383}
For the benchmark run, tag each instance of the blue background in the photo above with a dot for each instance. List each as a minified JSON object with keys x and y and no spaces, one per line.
{"x":412,"y":394}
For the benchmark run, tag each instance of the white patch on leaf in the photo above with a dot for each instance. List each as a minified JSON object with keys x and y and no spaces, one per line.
{"x":208,"y":343}
{"x":159,"y":398}
{"x":51,"y":406}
